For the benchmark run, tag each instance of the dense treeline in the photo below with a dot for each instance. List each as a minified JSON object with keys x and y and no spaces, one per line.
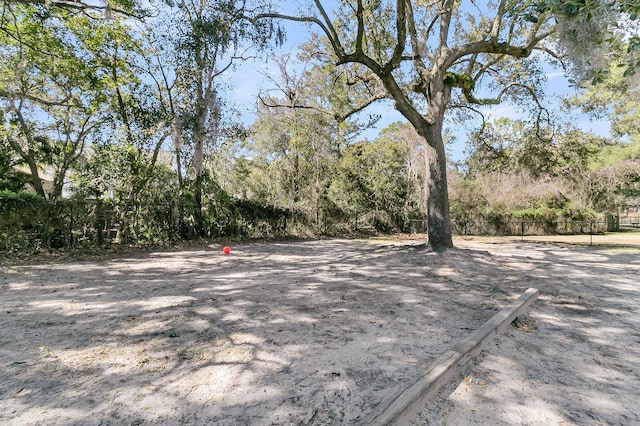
{"x":364,"y":186}
{"x":116,"y":122}
{"x":515,"y":170}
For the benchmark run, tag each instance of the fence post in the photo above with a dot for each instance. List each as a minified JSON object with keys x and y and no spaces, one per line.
{"x":591,"y":233}
{"x":522,"y":231}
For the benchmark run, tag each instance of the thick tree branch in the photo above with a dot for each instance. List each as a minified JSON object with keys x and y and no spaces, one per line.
{"x":332,"y":34}
{"x":41,"y":101}
{"x":415,"y":45}
{"x":445,"y":22}
{"x":329,"y":31}
{"x":492,"y":47}
{"x":401,"y":35}
{"x":497,"y":22}
{"x":79,"y":6}
{"x":340,"y":118}
{"x":360,"y":30}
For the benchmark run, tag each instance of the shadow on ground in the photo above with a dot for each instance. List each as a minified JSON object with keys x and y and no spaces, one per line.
{"x":574,"y":360}
{"x":299,"y":332}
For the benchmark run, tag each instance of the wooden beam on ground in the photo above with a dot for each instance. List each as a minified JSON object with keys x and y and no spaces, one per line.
{"x":402,"y":407}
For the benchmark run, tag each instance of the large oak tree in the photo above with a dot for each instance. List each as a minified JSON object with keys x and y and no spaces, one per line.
{"x":429,"y":55}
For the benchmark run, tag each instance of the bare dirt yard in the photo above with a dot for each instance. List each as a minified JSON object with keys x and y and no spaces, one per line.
{"x":320,"y":332}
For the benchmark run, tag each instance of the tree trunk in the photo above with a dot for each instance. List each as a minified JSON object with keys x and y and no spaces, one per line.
{"x":438,"y":218}
{"x":27,"y":155}
{"x":198,"y":216}
{"x":429,"y":127}
{"x":35,"y":177}
{"x":198,"y":165}
{"x":296,"y":175}
{"x":58,"y":184}
{"x":180,"y":198}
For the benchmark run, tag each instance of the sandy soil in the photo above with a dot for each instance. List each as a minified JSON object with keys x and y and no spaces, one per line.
{"x":319,"y":332}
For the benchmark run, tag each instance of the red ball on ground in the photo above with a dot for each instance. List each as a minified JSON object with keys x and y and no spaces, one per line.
{"x":226,"y":250}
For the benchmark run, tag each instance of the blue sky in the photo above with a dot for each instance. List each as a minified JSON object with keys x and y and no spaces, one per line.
{"x":248,"y":80}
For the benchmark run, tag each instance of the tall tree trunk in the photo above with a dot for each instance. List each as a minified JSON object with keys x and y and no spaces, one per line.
{"x":438,"y":217}
{"x":179,"y":198}
{"x":198,"y":154}
{"x":198,"y":165}
{"x":429,"y":127}
{"x":198,"y":216}
{"x":296,"y":175}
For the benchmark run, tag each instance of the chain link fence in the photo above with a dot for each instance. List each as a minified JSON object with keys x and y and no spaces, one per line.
{"x":524,"y":228}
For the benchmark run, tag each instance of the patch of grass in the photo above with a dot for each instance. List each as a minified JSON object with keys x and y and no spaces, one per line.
{"x":623,"y":249}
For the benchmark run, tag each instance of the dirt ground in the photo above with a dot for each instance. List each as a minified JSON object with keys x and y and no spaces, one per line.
{"x":319,"y":332}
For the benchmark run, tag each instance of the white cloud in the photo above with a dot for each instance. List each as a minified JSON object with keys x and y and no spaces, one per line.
{"x":500,"y":111}
{"x":554,"y":75}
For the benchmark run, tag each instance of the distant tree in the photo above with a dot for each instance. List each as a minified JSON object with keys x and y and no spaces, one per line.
{"x":505,"y":146}
{"x":616,"y":100}
{"x":609,"y":179}
{"x":374,"y":178}
{"x":306,"y":117}
{"x":511,"y":171}
{"x":50,"y":93}
{"x":301,"y":128}
{"x":10,"y":178}
{"x":206,"y":40}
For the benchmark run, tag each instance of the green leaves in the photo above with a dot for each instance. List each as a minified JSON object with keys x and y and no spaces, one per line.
{"x":56,"y":84}
{"x":593,"y":31}
{"x":374,"y":177}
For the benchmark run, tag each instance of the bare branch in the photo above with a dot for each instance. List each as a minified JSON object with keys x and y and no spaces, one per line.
{"x":364,"y":104}
{"x":475,"y":110}
{"x":328,"y":31}
{"x":401,"y":35}
{"x":271,"y":103}
{"x":497,"y":21}
{"x":485,"y":68}
{"x":542,"y":111}
{"x":551,"y":53}
{"x":340,"y":118}
{"x":490,"y":101}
